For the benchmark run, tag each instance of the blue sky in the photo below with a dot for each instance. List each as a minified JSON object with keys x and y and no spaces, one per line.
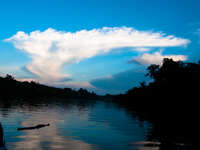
{"x":95,"y":64}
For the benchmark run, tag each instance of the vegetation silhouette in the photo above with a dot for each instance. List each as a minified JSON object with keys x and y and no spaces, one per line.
{"x":170,"y":102}
{"x":12,"y":90}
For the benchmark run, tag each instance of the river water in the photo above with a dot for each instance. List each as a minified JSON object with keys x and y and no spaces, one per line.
{"x":74,"y":126}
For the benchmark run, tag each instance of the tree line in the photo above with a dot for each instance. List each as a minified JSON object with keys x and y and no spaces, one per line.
{"x":10,"y":88}
{"x":170,"y":101}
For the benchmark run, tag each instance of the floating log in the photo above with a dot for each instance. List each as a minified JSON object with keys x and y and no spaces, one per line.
{"x":33,"y":127}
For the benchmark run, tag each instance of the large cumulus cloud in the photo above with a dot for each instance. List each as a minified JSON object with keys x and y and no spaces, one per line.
{"x":51,"y":49}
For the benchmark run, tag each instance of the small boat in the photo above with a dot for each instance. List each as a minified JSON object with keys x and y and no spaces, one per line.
{"x":2,"y":140}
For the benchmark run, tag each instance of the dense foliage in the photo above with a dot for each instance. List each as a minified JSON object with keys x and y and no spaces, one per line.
{"x":170,"y":101}
{"x":172,"y":82}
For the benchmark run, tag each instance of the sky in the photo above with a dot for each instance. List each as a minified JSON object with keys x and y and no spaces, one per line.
{"x":104,"y":46}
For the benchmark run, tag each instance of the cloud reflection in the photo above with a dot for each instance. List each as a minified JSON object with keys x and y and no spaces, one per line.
{"x":48,"y":137}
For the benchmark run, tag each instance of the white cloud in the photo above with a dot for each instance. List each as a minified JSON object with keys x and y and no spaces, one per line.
{"x":27,"y":79}
{"x":51,"y":49}
{"x":142,"y":49}
{"x":156,"y":58}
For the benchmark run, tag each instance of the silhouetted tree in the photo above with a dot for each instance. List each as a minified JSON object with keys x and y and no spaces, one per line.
{"x":9,"y":77}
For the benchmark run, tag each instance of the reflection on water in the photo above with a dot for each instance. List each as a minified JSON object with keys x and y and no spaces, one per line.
{"x":96,"y":126}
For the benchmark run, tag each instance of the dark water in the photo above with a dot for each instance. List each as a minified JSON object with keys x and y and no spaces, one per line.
{"x":95,"y":126}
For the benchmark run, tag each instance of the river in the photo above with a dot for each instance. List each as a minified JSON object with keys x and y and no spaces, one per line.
{"x":95,"y":125}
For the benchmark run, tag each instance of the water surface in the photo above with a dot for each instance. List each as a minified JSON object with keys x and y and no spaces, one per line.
{"x":74,"y":126}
